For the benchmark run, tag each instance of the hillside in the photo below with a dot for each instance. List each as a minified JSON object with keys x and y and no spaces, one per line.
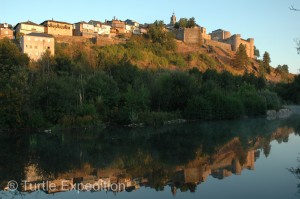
{"x":186,"y":56}
{"x":224,"y":60}
{"x":141,"y":80}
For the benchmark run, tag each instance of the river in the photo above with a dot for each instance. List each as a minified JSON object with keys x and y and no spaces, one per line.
{"x":248,"y":158}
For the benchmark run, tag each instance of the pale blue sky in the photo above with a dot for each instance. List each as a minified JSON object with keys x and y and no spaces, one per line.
{"x":270,"y":22}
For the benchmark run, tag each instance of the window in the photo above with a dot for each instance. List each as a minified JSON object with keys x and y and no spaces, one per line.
{"x":26,"y":46}
{"x":35,"y":47}
{"x":48,"y":47}
{"x":36,"y":39}
{"x":6,"y":32}
{"x":48,"y":40}
{"x":30,"y":46}
{"x":28,"y":38}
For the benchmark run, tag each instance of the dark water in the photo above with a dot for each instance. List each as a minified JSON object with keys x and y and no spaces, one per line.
{"x":230,"y":159}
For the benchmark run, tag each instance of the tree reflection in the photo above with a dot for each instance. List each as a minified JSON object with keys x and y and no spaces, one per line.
{"x":179,"y":156}
{"x":296,"y":172}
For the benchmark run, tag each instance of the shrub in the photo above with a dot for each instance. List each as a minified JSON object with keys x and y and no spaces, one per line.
{"x":225,"y":107}
{"x":198,"y":108}
{"x":254,"y":104}
{"x":272,"y":99}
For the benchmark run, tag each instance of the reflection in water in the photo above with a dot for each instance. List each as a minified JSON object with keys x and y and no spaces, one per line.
{"x":296,"y":172}
{"x":180,"y":156}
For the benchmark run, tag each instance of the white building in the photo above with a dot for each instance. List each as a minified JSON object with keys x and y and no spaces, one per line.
{"x":36,"y":44}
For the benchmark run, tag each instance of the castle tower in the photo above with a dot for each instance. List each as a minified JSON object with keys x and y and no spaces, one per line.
{"x":173,"y":19}
{"x":236,"y":42}
{"x":251,"y":47}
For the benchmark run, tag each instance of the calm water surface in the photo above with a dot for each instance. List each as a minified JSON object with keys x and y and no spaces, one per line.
{"x":229,"y":159}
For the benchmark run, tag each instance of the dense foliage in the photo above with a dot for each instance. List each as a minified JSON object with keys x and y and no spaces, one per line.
{"x":185,"y":23}
{"x":88,"y":86}
{"x":290,"y":91}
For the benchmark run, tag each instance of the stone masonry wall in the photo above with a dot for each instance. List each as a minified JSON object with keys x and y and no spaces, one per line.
{"x":192,"y":35}
{"x":222,"y":45}
{"x":189,"y":35}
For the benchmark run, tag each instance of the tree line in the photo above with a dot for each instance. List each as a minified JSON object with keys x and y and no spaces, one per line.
{"x":90,"y":86}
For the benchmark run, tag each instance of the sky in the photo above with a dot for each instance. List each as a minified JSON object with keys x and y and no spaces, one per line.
{"x":270,"y":22}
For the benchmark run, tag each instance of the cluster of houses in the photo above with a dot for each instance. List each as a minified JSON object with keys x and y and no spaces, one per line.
{"x":35,"y":39}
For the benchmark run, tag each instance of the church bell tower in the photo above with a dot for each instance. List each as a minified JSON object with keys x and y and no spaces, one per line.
{"x":173,"y":19}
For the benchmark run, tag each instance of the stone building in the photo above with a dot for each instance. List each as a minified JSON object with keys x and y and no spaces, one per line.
{"x":36,"y":44}
{"x":220,"y":35}
{"x":117,"y":26}
{"x":58,"y":28}
{"x":100,"y":28}
{"x":132,"y":23}
{"x":6,"y":31}
{"x":84,"y":29}
{"x":104,"y":30}
{"x":24,"y":28}
{"x":223,"y":36}
{"x":129,"y":28}
{"x":218,"y":38}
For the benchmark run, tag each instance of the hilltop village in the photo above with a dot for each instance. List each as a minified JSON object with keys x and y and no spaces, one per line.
{"x":34,"y":39}
{"x":126,"y":73}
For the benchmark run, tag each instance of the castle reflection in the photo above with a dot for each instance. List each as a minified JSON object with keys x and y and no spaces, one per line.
{"x":180,"y":157}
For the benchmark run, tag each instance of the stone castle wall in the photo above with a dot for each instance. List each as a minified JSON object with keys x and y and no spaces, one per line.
{"x":189,"y":35}
{"x":192,"y":35}
{"x":179,"y":34}
{"x":235,"y":42}
{"x":197,"y":36}
{"x":222,"y":45}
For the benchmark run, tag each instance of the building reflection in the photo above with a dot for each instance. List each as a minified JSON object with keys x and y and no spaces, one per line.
{"x":232,"y":158}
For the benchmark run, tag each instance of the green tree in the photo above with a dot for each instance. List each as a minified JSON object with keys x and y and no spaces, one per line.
{"x":158,"y":34}
{"x":271,"y":98}
{"x":46,"y":63}
{"x":14,"y":92}
{"x":282,"y":69}
{"x":224,"y":106}
{"x":254,"y":104}
{"x":173,"y":90}
{"x":186,"y":23}
{"x":102,"y":90}
{"x":256,"y":52}
{"x":183,"y":22}
{"x":266,"y":62}
{"x":137,"y":100}
{"x":297,"y":41}
{"x":55,"y":98}
{"x":191,"y":23}
{"x":13,"y":85}
{"x":198,"y":108}
{"x":241,"y":58}
{"x":10,"y":54}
